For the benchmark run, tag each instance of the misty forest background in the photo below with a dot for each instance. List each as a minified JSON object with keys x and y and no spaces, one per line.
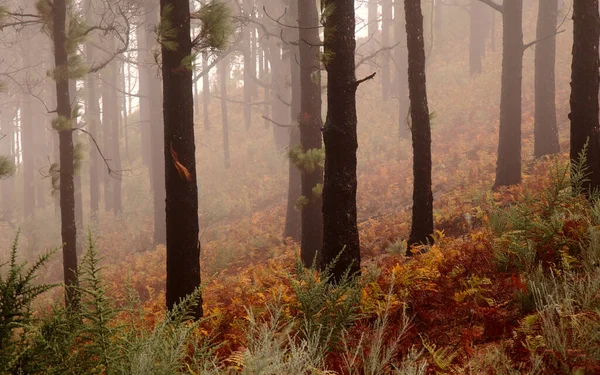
{"x":299,"y":186}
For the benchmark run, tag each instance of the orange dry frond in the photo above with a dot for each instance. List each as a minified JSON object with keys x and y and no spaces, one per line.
{"x":183,"y":171}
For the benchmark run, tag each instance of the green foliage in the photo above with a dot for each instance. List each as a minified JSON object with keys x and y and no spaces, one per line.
{"x":7,"y":166}
{"x":216,"y":27}
{"x":307,"y":161}
{"x":62,"y":123}
{"x":301,"y":202}
{"x":167,"y":34}
{"x":326,"y":308}
{"x":17,"y":292}
{"x":317,"y":191}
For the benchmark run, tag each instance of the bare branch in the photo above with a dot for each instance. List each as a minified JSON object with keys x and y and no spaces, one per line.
{"x":493,"y":5}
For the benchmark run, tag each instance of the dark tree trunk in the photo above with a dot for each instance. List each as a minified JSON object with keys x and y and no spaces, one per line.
{"x":310,"y":124}
{"x":401,"y":81}
{"x":422,"y":212}
{"x":477,"y":33}
{"x":386,"y":25}
{"x":584,"y":89}
{"x":508,"y":167}
{"x":205,"y":91}
{"x":545,"y":127}
{"x":183,"y":244}
{"x":373,"y":25}
{"x":67,"y":186}
{"x":340,"y":239}
{"x":223,"y":71}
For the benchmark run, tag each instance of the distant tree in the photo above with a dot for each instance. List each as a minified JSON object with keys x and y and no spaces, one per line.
{"x":545,"y":127}
{"x":422,"y":211}
{"x":183,"y":244}
{"x":386,"y":25}
{"x":310,"y":123}
{"x":223,"y":72}
{"x":508,"y":166}
{"x":372,"y":16}
{"x":477,"y":33}
{"x":400,"y":59}
{"x":293,"y":219}
{"x":340,"y":231}
{"x":205,"y":91}
{"x":584,"y":89}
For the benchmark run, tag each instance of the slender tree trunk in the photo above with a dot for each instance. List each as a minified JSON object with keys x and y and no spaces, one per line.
{"x":373,"y":25}
{"x":205,"y":91}
{"x":438,"y":16}
{"x":508,"y":166}
{"x":545,"y":127}
{"x":401,"y":81}
{"x":248,"y":72}
{"x":67,"y":186}
{"x":76,"y":175}
{"x":92,"y":114}
{"x":183,"y":244}
{"x":310,"y":129}
{"x":28,"y":145}
{"x":584,"y":89}
{"x":144,"y":37}
{"x":386,"y":25}
{"x":280,"y":73}
{"x":293,"y":219}
{"x":422,"y":212}
{"x":477,"y":37}
{"x":223,"y":71}
{"x":340,"y":239}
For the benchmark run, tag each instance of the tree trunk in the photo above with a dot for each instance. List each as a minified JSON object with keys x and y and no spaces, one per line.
{"x":183,"y":244}
{"x":386,"y":25}
{"x":92,"y":114}
{"x":65,"y":135}
{"x":373,"y":25}
{"x":438,"y":15}
{"x":340,"y":239}
{"x":223,"y":72}
{"x":205,"y":91}
{"x":249,"y":68}
{"x":422,"y":212}
{"x":76,"y":175}
{"x":28,"y":145}
{"x":310,"y":124}
{"x":508,"y":166}
{"x":584,"y":90}
{"x":401,"y":81}
{"x":293,"y":219}
{"x":545,"y":127}
{"x":477,"y":32}
{"x":145,"y":38}
{"x":110,"y":122}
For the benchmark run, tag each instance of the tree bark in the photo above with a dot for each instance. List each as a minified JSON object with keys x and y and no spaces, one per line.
{"x":183,"y":244}
{"x":545,"y":127}
{"x":584,"y":90}
{"x":310,"y":124}
{"x":28,"y":149}
{"x":92,"y":114}
{"x":340,"y":239}
{"x":508,"y":166}
{"x":422,"y":211}
{"x":67,"y":186}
